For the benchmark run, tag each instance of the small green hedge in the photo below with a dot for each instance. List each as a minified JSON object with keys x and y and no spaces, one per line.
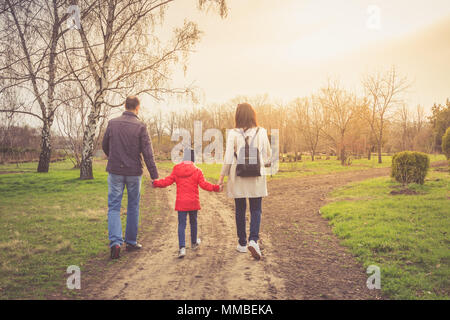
{"x":410,"y":167}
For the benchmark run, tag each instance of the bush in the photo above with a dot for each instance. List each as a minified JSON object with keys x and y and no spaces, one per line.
{"x":410,"y":167}
{"x":446,"y":143}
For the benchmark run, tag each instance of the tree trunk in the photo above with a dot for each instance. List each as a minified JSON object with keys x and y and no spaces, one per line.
{"x":86,"y":169}
{"x":369,"y":154}
{"x":343,"y":155}
{"x":379,"y":153}
{"x":46,"y":149}
{"x":88,"y":143}
{"x":380,"y":140}
{"x":312,"y":155}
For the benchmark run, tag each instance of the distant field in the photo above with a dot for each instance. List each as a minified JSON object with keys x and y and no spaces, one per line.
{"x":305,"y":167}
{"x":407,"y":236}
{"x":48,"y":222}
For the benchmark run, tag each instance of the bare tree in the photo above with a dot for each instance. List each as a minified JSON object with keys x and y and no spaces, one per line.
{"x":30,"y":38}
{"x":124,"y":57}
{"x":172,"y":122}
{"x":339,"y":108}
{"x":383,"y":92}
{"x":404,"y":117}
{"x":158,"y":124}
{"x":309,"y":119}
{"x":71,"y":119}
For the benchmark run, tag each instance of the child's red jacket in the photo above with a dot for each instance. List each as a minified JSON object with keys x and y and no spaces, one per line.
{"x":187,"y":177}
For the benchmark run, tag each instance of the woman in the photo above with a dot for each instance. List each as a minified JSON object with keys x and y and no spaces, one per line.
{"x":243,"y":188}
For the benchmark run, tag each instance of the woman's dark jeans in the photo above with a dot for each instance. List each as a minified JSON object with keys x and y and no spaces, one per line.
{"x":255,"y":219}
{"x":182,"y":217}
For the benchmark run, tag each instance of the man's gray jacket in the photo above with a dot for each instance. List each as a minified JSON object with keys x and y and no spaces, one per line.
{"x":125,"y":139}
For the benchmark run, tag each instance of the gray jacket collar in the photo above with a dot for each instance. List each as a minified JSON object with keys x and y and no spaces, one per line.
{"x":129,"y":113}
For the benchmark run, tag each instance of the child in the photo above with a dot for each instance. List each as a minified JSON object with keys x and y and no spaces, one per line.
{"x":187,"y":177}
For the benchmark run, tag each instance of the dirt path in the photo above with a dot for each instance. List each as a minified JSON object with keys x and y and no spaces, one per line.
{"x":310,"y":258}
{"x":215,"y":271}
{"x":302,"y":258}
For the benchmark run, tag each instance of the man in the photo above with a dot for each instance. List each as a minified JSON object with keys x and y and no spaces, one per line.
{"x":126,"y":138}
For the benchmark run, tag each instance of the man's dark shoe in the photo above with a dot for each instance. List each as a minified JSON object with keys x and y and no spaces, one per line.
{"x":134,"y":247}
{"x":115,"y":252}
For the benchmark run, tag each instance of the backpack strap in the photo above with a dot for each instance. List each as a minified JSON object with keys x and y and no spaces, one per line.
{"x":246,"y":139}
{"x":242,"y":132}
{"x":256,"y":134}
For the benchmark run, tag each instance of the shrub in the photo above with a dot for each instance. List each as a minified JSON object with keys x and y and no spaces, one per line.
{"x":410,"y":167}
{"x":446,"y":143}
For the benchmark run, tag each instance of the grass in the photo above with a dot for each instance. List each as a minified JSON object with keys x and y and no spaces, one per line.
{"x":47,"y":223}
{"x":407,"y":236}
{"x":303,"y":168}
{"x":51,"y":221}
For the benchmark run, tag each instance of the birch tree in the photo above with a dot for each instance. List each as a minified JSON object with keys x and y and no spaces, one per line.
{"x":31,"y":53}
{"x":125,"y":57}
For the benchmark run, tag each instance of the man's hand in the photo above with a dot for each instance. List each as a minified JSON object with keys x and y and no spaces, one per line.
{"x":220,"y":187}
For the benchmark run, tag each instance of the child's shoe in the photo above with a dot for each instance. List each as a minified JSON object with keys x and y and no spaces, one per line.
{"x":182,"y":253}
{"x":242,"y":249}
{"x":196,"y":245}
{"x":253,"y":247}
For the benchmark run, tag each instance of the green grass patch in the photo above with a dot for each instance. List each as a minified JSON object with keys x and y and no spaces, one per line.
{"x":49,"y":221}
{"x":306,"y":167}
{"x":407,"y":236}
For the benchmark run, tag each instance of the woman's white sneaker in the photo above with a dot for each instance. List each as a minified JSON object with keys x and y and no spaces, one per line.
{"x":253,"y":247}
{"x":196,"y":245}
{"x":182,"y":253}
{"x":242,"y":249}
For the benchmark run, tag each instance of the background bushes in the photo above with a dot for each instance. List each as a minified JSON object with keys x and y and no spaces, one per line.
{"x":410,"y":167}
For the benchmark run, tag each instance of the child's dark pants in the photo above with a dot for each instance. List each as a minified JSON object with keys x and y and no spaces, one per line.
{"x":182,"y":217}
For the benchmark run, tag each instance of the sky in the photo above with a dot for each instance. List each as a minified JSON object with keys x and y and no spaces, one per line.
{"x":289,"y":48}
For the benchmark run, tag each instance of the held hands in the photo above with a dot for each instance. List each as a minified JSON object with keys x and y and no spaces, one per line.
{"x":220,"y":183}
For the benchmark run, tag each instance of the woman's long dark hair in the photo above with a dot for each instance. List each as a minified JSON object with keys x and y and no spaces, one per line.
{"x":245,"y":116}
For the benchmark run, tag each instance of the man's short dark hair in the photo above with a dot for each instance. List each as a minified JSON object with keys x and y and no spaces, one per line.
{"x":131,"y":103}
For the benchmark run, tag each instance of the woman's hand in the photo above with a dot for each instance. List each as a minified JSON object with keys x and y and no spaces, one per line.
{"x":221,"y":180}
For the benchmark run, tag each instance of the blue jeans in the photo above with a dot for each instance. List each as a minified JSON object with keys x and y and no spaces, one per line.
{"x":255,"y":221}
{"x":116,"y":185}
{"x":182,"y":217}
